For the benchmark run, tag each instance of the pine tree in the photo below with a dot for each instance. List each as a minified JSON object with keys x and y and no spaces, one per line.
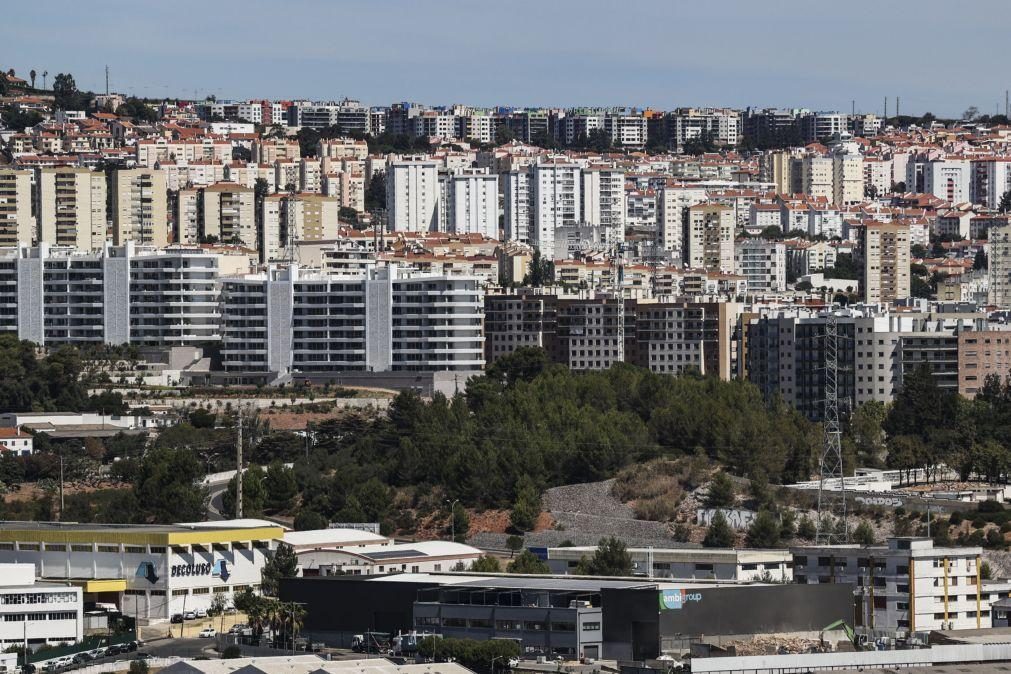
{"x":719,"y":534}
{"x":764,"y":531}
{"x":864,"y":534}
{"x":721,"y":491}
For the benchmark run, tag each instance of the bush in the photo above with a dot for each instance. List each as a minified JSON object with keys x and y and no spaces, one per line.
{"x":231,"y":652}
{"x":978,"y":522}
{"x":657,"y":509}
{"x":806,"y":528}
{"x":1006,"y":527}
{"x":994,"y":539}
{"x":721,"y":491}
{"x":764,"y":531}
{"x":990,"y":507}
{"x":719,"y":534}
{"x":955,"y":519}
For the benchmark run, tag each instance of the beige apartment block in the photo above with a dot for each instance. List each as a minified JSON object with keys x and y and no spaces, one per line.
{"x":70,"y":207}
{"x":16,"y":222}
{"x":139,"y":207}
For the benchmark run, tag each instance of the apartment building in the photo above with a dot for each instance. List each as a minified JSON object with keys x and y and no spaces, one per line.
{"x":710,"y":237}
{"x":347,"y":186}
{"x":847,"y":179}
{"x":337,"y":149}
{"x":673,"y":202}
{"x":471,"y":202}
{"x":286,"y":320}
{"x":151,"y":151}
{"x":229,"y":214}
{"x":412,"y":195}
{"x":982,"y":353}
{"x":817,"y":176}
{"x":884,"y":248}
{"x":1000,"y":266}
{"x":626,"y":130}
{"x":17,"y":225}
{"x":288,"y":218}
{"x":117,"y":295}
{"x":948,"y":179}
{"x":270,"y":150}
{"x":763,"y":263}
{"x":907,"y":586}
{"x":817,"y":126}
{"x":721,"y":125}
{"x":603,"y":200}
{"x":556,"y":198}
{"x":517,"y":205}
{"x":139,"y":205}
{"x":593,"y":331}
{"x":71,"y":207}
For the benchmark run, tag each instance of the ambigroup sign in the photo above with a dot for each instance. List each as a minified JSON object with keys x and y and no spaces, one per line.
{"x":672,"y":600}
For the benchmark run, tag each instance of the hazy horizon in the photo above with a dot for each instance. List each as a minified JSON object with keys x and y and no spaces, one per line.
{"x":782,"y":53}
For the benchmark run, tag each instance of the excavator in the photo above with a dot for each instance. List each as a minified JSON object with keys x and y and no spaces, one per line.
{"x":850,"y":634}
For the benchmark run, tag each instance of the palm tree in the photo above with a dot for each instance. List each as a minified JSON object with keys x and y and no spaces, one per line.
{"x":32,"y":76}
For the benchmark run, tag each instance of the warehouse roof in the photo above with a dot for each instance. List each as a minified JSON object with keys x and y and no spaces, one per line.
{"x":153,"y":534}
{"x":331,"y":537}
{"x":306,"y":664}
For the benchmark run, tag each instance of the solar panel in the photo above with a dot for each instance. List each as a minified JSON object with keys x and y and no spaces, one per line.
{"x":394,"y":554}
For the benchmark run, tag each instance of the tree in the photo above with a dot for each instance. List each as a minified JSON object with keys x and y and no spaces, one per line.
{"x":865,"y":428}
{"x":806,"y":529}
{"x":461,"y":523}
{"x":970,"y":114}
{"x":375,"y":195}
{"x":523,"y":364}
{"x":280,"y":486}
{"x":201,"y":418}
{"x":310,"y":520}
{"x":166,"y":487}
{"x":611,"y":558}
{"x":32,"y":74}
{"x":528,"y":562}
{"x":764,"y":531}
{"x":527,"y":507}
{"x":137,"y":109}
{"x":486,"y":564}
{"x":721,"y":491}
{"x":864,"y":534}
{"x":283,"y":564}
{"x":65,"y":91}
{"x":719,"y":534}
{"x":1004,"y":206}
{"x":542,"y":272}
{"x":979,"y":261}
{"x":984,"y":571}
{"x":514,"y":544}
{"x":231,"y":652}
{"x":253,"y":492}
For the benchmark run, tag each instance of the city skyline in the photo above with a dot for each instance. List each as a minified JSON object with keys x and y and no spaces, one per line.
{"x":780,"y":54}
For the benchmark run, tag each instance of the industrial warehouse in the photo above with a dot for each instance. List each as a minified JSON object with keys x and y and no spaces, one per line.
{"x":620,"y":619}
{"x":148,"y":572}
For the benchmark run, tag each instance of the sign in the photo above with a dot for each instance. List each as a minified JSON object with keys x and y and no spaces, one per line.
{"x":184,"y":570}
{"x":672,"y":600}
{"x":220,"y":570}
{"x":146,"y":571}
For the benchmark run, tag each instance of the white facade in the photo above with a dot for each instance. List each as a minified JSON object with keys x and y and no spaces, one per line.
{"x":604,"y":201}
{"x":763,"y":263}
{"x":388,"y":320}
{"x":37,"y":613}
{"x":556,"y":202}
{"x":948,"y":179}
{"x":517,"y":190}
{"x":419,"y":557}
{"x":16,"y":442}
{"x":150,"y":572}
{"x":412,"y":195}
{"x":673,"y":203}
{"x":472,"y":202}
{"x":690,"y":564}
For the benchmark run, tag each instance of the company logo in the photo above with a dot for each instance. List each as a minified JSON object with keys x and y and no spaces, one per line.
{"x":146,"y":570}
{"x":220,"y":570}
{"x":671,"y":600}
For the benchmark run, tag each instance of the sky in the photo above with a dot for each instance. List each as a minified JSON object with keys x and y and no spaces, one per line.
{"x":935,"y":55}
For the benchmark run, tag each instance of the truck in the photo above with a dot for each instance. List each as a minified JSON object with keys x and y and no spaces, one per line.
{"x":371,"y":642}
{"x":407,"y":644}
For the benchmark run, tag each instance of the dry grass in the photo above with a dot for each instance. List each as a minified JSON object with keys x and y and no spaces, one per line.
{"x":656,"y":488}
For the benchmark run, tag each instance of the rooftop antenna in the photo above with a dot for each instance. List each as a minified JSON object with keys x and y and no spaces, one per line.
{"x":896,"y":108}
{"x":831,"y":500}
{"x":886,"y":109}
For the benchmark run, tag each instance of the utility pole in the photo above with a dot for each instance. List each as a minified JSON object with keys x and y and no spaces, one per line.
{"x":831,"y":499}
{"x":896,"y":108}
{"x":106,"y":80}
{"x":1007,"y":100}
{"x":238,"y":469}
{"x":61,"y":485}
{"x":886,"y":109}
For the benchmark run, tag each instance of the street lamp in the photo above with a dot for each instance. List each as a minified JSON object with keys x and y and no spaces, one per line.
{"x":452,"y":516}
{"x":497,"y":657}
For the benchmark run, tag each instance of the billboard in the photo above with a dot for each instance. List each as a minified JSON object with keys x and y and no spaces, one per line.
{"x":673,"y":600}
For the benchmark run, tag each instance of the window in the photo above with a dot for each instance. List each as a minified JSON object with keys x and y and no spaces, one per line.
{"x":591,"y":627}
{"x":56,"y":547}
{"x":508,"y":625}
{"x":134,"y":593}
{"x":134,"y":549}
{"x":454,"y":622}
{"x":108,"y":548}
{"x":180,"y":593}
{"x":563,"y":626}
{"x":78,"y":547}
{"x":201,"y":590}
{"x":157,"y":549}
{"x":535,"y":625}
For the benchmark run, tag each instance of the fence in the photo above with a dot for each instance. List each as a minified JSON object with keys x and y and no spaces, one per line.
{"x":124,"y":665}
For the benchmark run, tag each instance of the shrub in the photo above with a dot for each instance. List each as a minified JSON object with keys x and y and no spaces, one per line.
{"x":990,"y":507}
{"x":657,"y":509}
{"x":978,"y":522}
{"x":955,"y":519}
{"x":231,"y":652}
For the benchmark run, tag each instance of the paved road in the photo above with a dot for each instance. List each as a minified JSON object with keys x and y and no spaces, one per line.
{"x":183,"y":648}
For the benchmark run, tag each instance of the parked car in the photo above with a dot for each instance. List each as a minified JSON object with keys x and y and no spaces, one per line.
{"x":145,"y":656}
{"x":230,"y":610}
{"x":208,"y":633}
{"x":201,"y":613}
{"x":130,"y":646}
{"x":237,"y":628}
{"x":80,"y":658}
{"x":177,"y":617}
{"x":189,"y":615}
{"x":514,"y":662}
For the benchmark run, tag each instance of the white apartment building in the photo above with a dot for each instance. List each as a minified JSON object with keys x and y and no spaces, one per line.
{"x":118,"y":295}
{"x":817,"y":126}
{"x":626,"y":130}
{"x":71,"y":207}
{"x":673,"y":202}
{"x":847,"y":179}
{"x":517,"y":206}
{"x":710,"y":240}
{"x":690,"y":564}
{"x":763,"y":263}
{"x":412,"y":195}
{"x":603,"y":200}
{"x":818,"y":177}
{"x":991,"y":178}
{"x":270,"y":150}
{"x":877,"y":175}
{"x":287,"y":320}
{"x":472,"y":202}
{"x":148,"y":571}
{"x":17,"y":225}
{"x":723,"y":125}
{"x":907,"y":586}
{"x":37,"y":613}
{"x":348,"y":187}
{"x":310,"y":175}
{"x":556,"y":198}
{"x":225,"y":211}
{"x":341,"y":148}
{"x":16,"y":442}
{"x":139,"y":204}
{"x":150,"y":152}
{"x":948,"y":179}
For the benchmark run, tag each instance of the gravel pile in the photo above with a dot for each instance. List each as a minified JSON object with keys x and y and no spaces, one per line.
{"x":590,"y":498}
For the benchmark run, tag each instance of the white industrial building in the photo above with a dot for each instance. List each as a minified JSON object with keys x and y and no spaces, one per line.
{"x":689,"y":563}
{"x":148,"y":571}
{"x":418,"y":557}
{"x":390,"y":319}
{"x":37,"y":613}
{"x":907,"y":585}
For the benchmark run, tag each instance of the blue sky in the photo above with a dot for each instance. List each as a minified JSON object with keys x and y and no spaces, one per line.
{"x":936,"y":55}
